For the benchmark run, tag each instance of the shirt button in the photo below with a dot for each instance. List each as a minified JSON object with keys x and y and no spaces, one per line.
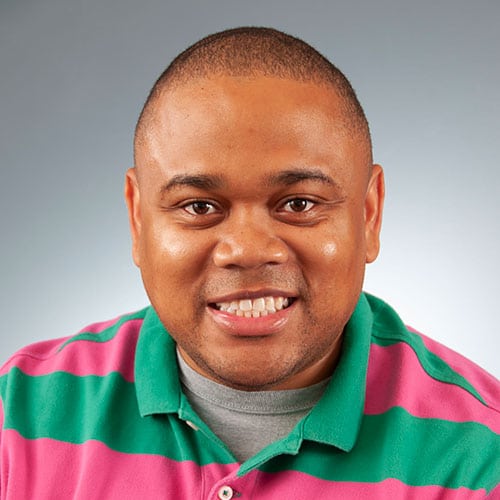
{"x":188,"y":422}
{"x":225,"y":493}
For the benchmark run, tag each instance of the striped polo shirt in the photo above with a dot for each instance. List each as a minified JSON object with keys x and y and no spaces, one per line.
{"x":101,"y":415}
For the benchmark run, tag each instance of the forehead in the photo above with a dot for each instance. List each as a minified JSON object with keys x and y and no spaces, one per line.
{"x":264,"y":98}
{"x":249,"y":118}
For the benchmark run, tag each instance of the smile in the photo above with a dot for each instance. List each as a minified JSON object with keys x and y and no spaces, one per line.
{"x":254,"y":308}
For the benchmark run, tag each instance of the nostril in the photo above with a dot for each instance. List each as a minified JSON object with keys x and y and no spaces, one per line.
{"x":262,"y":249}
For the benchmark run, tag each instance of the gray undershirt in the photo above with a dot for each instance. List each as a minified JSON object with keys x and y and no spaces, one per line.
{"x":247,"y":421}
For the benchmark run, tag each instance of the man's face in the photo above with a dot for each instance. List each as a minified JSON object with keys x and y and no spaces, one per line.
{"x":253,"y":212}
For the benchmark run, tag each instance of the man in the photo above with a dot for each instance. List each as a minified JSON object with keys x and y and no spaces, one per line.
{"x":260,"y":370}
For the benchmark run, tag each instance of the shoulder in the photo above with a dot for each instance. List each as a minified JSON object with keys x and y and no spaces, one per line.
{"x":427,"y":404}
{"x":98,"y":349}
{"x":409,"y":370}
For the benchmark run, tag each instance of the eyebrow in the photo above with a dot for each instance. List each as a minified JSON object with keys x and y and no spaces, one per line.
{"x":200,"y":181}
{"x":284,"y":178}
{"x":296,"y":175}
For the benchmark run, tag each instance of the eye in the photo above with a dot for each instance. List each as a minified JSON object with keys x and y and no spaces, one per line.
{"x":200,"y":208}
{"x":298,"y":205}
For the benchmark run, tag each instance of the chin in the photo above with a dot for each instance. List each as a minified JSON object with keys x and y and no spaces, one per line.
{"x":254,"y":380}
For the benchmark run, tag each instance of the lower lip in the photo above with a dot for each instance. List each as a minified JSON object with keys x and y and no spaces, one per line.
{"x":252,"y":327}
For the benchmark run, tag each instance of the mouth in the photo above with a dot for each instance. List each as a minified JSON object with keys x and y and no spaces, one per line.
{"x":258,"y":307}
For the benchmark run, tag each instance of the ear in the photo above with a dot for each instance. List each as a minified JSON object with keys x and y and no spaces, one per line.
{"x":132,"y":198}
{"x":374,"y":204}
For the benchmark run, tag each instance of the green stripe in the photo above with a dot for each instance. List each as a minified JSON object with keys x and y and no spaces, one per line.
{"x":388,"y":329}
{"x":98,"y":408}
{"x":395,"y":444}
{"x":108,"y":333}
{"x":416,"y":451}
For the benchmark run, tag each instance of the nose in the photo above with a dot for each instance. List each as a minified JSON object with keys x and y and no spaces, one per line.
{"x":249,"y":241}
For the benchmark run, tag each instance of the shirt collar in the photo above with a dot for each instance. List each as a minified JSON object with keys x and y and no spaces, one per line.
{"x":156,"y":374}
{"x":335,"y":420}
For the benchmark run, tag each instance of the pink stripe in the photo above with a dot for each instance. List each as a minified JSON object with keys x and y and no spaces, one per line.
{"x":396,"y":378}
{"x":45,"y":350}
{"x":81,"y":357}
{"x":299,"y":486}
{"x":100,"y":326}
{"x":494,"y":494}
{"x":485,"y":383}
{"x":44,"y":468}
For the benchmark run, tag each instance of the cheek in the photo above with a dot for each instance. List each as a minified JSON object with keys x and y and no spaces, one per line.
{"x":167,"y":250}
{"x":172,"y":272}
{"x":334,"y":254}
{"x":329,"y":250}
{"x":326,"y":244}
{"x":167,"y":244}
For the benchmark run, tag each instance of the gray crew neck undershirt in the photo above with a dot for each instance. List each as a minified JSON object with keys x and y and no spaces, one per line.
{"x":247,"y":421}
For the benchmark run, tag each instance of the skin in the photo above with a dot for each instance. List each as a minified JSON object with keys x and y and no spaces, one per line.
{"x":246,"y":187}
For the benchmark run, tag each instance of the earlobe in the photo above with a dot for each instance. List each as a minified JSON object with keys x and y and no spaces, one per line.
{"x":132,"y":199}
{"x":374,"y":204}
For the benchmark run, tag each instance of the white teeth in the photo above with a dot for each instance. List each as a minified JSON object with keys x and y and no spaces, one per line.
{"x":246,"y":305}
{"x":262,"y":306}
{"x":259,"y":304}
{"x":270,"y":304}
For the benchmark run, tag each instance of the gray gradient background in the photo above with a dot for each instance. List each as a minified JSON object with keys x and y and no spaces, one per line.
{"x":74,"y":74}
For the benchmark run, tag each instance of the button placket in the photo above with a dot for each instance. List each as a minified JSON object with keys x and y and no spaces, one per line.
{"x":231,"y":487}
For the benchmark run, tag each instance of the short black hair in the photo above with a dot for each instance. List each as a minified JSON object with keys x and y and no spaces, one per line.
{"x":257,"y":51}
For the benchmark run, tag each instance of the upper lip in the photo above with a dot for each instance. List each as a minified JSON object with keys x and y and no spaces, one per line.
{"x":251,"y":294}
